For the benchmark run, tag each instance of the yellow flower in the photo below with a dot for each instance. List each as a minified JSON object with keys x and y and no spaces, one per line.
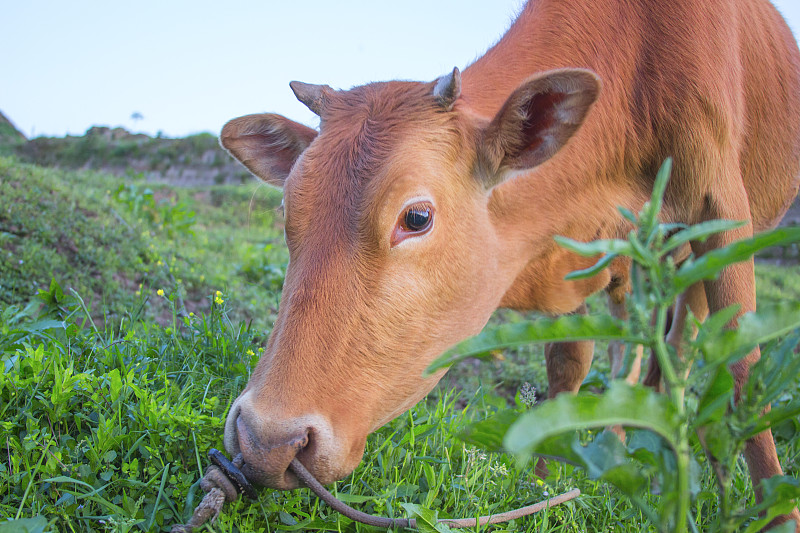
{"x":219,"y":301}
{"x":160,"y":292}
{"x":218,"y":294}
{"x":160,"y":263}
{"x":191,"y":315}
{"x":251,"y":353}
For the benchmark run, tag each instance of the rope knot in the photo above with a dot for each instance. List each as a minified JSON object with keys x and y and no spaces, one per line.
{"x":219,"y":488}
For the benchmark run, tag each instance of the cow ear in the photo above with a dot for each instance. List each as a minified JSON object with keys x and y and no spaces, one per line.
{"x":267,"y":144}
{"x":538,"y":119}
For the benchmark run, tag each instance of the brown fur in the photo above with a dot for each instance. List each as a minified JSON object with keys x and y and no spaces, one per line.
{"x":532,"y":148}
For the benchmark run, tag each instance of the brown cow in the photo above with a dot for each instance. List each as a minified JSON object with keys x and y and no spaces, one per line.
{"x":420,"y":208}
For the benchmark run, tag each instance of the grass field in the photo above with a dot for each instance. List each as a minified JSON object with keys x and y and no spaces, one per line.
{"x":111,"y":395}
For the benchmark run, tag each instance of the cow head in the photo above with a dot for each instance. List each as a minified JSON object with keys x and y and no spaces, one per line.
{"x":399,"y":247}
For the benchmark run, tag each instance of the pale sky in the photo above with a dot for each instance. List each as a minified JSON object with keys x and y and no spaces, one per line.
{"x":189,"y":66}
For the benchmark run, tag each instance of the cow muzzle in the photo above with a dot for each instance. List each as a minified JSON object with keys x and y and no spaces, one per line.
{"x":269,"y":443}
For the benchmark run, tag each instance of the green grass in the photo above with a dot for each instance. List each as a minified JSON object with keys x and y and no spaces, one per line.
{"x":108,"y":407}
{"x":102,"y":428}
{"x":116,"y":251}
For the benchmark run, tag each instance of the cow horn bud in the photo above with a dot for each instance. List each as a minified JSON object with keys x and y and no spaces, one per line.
{"x":448,"y":89}
{"x":311,"y":95}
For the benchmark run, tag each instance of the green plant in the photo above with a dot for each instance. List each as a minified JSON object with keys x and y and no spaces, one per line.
{"x":171,"y":216}
{"x":697,"y":418}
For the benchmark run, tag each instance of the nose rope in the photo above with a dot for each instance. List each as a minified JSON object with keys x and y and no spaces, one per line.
{"x":224,"y":481}
{"x":380,"y":521}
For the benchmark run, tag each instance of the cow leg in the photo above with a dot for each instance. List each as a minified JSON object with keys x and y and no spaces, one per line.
{"x":616,"y":349}
{"x":694,"y":300}
{"x":616,"y":354}
{"x":617,"y":292}
{"x":567,"y":364}
{"x":736,"y":284}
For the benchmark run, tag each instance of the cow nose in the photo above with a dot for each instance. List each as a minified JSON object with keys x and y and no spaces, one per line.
{"x":267,"y":458}
{"x":269,"y":438}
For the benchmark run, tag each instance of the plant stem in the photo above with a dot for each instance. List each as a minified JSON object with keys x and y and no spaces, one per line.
{"x":682,"y":456}
{"x":676,"y":389}
{"x":671,"y":381}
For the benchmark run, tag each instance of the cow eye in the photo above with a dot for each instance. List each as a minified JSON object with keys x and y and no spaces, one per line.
{"x":418,"y":217}
{"x":415,"y":220}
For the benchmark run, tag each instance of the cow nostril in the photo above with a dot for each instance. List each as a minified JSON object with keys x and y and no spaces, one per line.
{"x":301,"y":442}
{"x":269,"y":450}
{"x":231,"y":435}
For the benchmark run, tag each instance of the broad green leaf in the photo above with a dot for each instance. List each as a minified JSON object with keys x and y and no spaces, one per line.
{"x":621,"y":404}
{"x":427,"y":520}
{"x":712,"y":263}
{"x":287,"y":519}
{"x":592,"y":270}
{"x":565,"y":328}
{"x":647,"y":447}
{"x":721,"y":444}
{"x":488,"y":434}
{"x":760,"y":523}
{"x":604,"y":454}
{"x":115,"y":384}
{"x":37,"y":524}
{"x":779,"y":493}
{"x":775,"y":416}
{"x":606,"y":459}
{"x":717,"y":322}
{"x":355,"y":498}
{"x":776,"y":371}
{"x":786,"y":527}
{"x":716,"y":399}
{"x":66,"y":479}
{"x":670,"y":227}
{"x":590,"y":249}
{"x":768,"y":322}
{"x":699,"y":232}
{"x":44,"y":325}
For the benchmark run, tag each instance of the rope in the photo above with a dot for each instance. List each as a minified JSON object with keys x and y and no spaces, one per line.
{"x":208,"y":510}
{"x":219,"y":488}
{"x":392,"y":523}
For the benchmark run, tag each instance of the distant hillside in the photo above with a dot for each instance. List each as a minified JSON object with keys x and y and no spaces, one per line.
{"x":116,"y":242}
{"x":10,"y":136}
{"x":190,"y":161}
